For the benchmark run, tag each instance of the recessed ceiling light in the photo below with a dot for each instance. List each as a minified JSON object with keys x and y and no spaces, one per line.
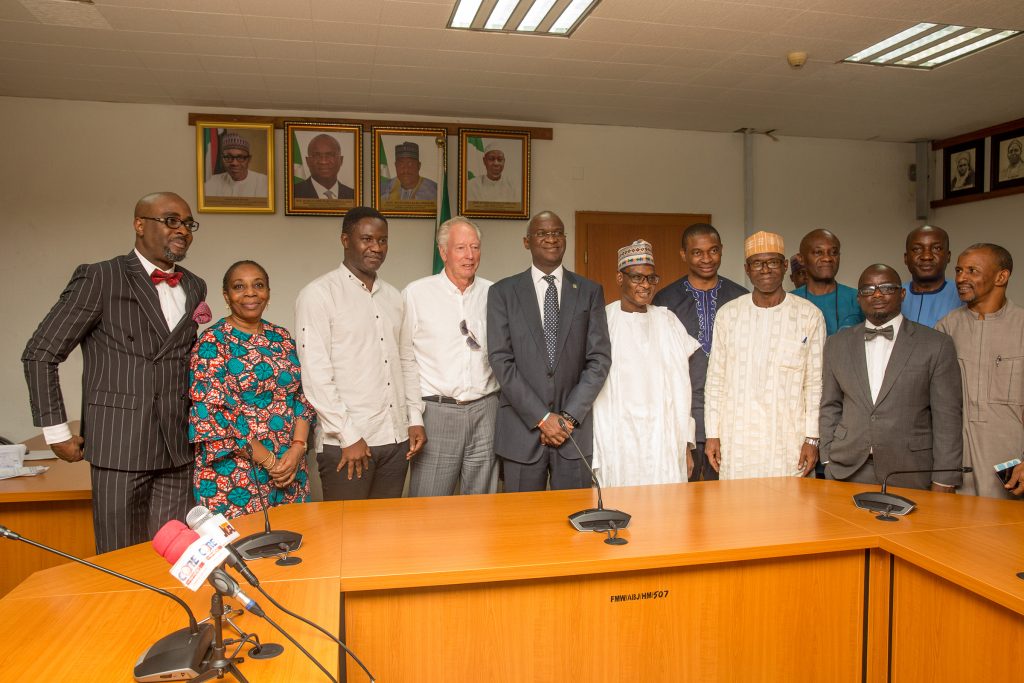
{"x":926,"y":45}
{"x":542,"y":17}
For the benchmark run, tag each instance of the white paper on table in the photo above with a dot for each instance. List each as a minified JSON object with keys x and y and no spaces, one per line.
{"x":11,"y":472}
{"x":40,"y":455}
{"x":12,"y":455}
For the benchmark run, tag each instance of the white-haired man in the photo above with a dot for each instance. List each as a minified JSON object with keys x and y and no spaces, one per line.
{"x":445,"y":319}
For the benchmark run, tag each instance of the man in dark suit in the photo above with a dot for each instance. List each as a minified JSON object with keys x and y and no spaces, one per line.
{"x":891,"y":398}
{"x":695,"y":299}
{"x":547,"y":340}
{"x":324,"y":159}
{"x":135,"y":317}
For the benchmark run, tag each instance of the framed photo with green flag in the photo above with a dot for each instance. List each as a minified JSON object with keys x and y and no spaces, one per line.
{"x":235,"y":167}
{"x":410,"y":164}
{"x":323,"y":175}
{"x":494,"y":173}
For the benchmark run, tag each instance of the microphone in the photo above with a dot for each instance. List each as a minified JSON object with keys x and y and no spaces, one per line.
{"x":176,"y":656}
{"x":596,"y":519}
{"x":889,"y":504}
{"x":268,"y":542}
{"x":172,"y":543}
{"x":204,"y":522}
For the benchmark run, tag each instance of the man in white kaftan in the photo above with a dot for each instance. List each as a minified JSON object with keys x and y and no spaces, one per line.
{"x":764,"y":379}
{"x":643,"y":429}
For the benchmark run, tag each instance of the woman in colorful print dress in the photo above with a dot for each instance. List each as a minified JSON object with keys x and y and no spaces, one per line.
{"x":247,"y":394}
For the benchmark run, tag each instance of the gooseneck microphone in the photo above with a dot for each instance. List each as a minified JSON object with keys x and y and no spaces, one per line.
{"x":596,"y":519}
{"x":176,"y":656}
{"x":889,"y":504}
{"x":200,"y":515}
{"x":269,"y":542}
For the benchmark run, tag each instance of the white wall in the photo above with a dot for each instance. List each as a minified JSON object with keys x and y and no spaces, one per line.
{"x":73,"y":170}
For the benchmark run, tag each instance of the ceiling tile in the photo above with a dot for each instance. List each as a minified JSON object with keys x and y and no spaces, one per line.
{"x":294,"y":9}
{"x":413,"y":14}
{"x":277,"y":28}
{"x":284,"y":49}
{"x":344,"y":32}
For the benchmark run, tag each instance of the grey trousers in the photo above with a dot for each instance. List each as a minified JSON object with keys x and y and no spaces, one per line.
{"x":130,"y":507}
{"x":460,"y":445}
{"x":383,"y":478}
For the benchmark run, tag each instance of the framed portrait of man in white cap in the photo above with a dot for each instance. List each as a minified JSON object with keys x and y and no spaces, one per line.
{"x":323,"y":173}
{"x":408,"y":166}
{"x":235,"y":167}
{"x":494,"y":173}
{"x":1007,"y":169}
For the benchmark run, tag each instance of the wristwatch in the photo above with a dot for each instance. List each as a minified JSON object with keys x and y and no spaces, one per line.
{"x":812,"y":442}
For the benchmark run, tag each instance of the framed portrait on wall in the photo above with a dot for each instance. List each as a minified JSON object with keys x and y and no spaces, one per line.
{"x":1007,"y":166}
{"x":963,"y":169}
{"x":408,"y":165}
{"x":494,"y":173}
{"x":323,"y":175}
{"x":235,"y":167}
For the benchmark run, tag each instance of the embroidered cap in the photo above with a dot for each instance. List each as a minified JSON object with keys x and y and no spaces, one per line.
{"x":407,"y":150}
{"x":640,"y":253}
{"x":762,"y":242}
{"x":234,"y":141}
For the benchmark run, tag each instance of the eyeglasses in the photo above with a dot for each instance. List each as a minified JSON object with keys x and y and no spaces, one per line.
{"x":770,"y":264}
{"x":553,"y":234}
{"x":637,"y":279}
{"x":884,"y":290}
{"x":173,"y":222}
{"x":235,"y":157}
{"x":471,"y":341}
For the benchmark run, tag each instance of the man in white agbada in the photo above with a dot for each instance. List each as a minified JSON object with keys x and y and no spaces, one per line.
{"x":492,"y":186}
{"x":763,"y":390}
{"x":643,"y":430}
{"x":237,"y":180}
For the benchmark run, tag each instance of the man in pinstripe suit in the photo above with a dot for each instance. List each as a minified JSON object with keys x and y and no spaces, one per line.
{"x":134,"y":319}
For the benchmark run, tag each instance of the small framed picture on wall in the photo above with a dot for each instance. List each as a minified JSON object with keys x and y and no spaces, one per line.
{"x":408,"y":165}
{"x":323,"y":176}
{"x":1007,"y":166}
{"x":963,"y":169}
{"x":494,"y":173}
{"x":235,"y":167}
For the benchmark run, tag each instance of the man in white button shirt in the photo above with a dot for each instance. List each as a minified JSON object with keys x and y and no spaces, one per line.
{"x":357,"y":371}
{"x":135,"y":318}
{"x":891,"y":399}
{"x":445,"y":319}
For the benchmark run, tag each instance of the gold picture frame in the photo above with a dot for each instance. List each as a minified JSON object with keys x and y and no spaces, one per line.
{"x":322,"y":158}
{"x":405,"y":163}
{"x":494,"y":173}
{"x":238,"y":178}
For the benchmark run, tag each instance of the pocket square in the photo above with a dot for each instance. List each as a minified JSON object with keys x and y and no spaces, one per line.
{"x":202,"y":314}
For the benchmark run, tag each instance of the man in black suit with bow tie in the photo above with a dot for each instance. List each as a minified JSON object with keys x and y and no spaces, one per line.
{"x":891,"y":396}
{"x":135,"y":317}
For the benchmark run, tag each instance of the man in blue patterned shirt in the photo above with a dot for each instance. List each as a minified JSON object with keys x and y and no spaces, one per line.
{"x":695,"y":299}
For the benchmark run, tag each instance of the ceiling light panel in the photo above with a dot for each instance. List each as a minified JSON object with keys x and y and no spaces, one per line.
{"x":541,"y":17}
{"x":926,"y":46}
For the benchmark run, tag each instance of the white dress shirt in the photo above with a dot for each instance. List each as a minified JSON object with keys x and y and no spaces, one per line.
{"x":172,"y":304}
{"x":322,"y":191}
{"x":355,"y":366}
{"x":877,"y":352}
{"x":541,"y":285}
{"x":448,"y":365}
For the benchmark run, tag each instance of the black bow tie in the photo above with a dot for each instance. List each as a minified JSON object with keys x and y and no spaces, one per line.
{"x":872,"y":332}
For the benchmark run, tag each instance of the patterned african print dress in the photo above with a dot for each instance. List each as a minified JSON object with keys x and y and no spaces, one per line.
{"x":243,"y":387}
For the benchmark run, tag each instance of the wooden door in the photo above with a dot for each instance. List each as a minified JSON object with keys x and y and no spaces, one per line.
{"x":600,"y":235}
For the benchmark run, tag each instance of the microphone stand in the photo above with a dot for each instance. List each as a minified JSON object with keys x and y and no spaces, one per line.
{"x":597,"y":519}
{"x":889,"y":504}
{"x":269,"y":542}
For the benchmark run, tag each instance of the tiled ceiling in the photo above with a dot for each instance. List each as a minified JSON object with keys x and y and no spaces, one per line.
{"x":683,"y":64}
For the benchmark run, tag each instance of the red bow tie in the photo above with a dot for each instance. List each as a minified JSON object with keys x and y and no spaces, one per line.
{"x":172,"y":279}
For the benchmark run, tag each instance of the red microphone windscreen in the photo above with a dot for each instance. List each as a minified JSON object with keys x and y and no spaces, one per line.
{"x":172,"y":540}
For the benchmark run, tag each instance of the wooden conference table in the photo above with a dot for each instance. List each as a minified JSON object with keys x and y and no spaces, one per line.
{"x":756,"y":580}
{"x":53,"y":508}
